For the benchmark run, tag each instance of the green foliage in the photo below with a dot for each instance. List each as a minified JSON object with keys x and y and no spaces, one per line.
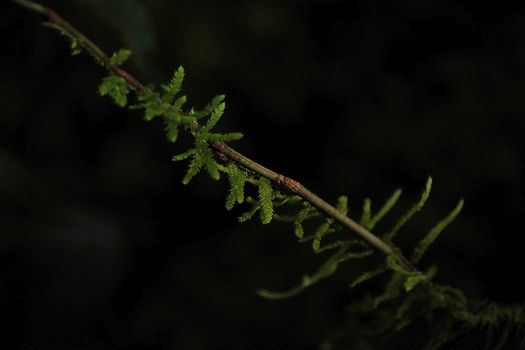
{"x":433,"y":234}
{"x":119,"y":57}
{"x":343,"y":253}
{"x":175,"y":84}
{"x":500,"y":322}
{"x":324,"y":271}
{"x":368,"y":220}
{"x":306,"y":213}
{"x":421,"y":298}
{"x":237,"y":179}
{"x":369,"y":275}
{"x":75,"y":45}
{"x":385,"y":208}
{"x":116,"y":88}
{"x":201,"y":156}
{"x":265,"y":200}
{"x":250,"y":213}
{"x":169,"y":104}
{"x":414,"y":280}
{"x":402,"y":281}
{"x":414,"y":209}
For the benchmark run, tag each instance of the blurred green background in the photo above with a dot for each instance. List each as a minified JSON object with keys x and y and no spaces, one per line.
{"x":102,"y":247}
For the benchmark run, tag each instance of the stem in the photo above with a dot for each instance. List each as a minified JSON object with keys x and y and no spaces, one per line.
{"x":300,"y":190}
{"x":223,"y":149}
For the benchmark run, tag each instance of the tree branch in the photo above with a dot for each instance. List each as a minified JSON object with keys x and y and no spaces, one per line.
{"x":223,"y":149}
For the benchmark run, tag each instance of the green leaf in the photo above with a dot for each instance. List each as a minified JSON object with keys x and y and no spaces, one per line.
{"x":250,"y":213}
{"x":299,"y":230}
{"x":335,"y":244}
{"x":214,"y":118}
{"x":199,"y":157}
{"x":119,"y":57}
{"x":152,"y":104}
{"x":413,"y":281}
{"x":306,"y":213}
{"x":215,"y":102}
{"x":154,"y":110}
{"x":265,"y":200}
{"x":184,"y":155}
{"x":433,"y":234}
{"x":342,"y":204}
{"x":326,"y":270}
{"x":392,"y":261}
{"x":115,"y":87}
{"x":387,"y":206}
{"x":76,"y":49}
{"x":237,"y":178}
{"x":172,"y":131}
{"x":232,"y":136}
{"x":367,"y":212}
{"x":175,"y":84}
{"x":75,"y":46}
{"x":212,"y":168}
{"x":193,"y":169}
{"x":369,"y":275}
{"x":414,"y":209}
{"x":322,"y":230}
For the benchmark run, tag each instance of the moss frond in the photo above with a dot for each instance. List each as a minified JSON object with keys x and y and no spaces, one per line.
{"x":265,"y":200}
{"x":408,"y":215}
{"x":304,"y":214}
{"x":326,"y":270}
{"x":385,"y":208}
{"x":116,"y":87}
{"x":368,"y":275}
{"x":433,"y":234}
{"x":237,"y":178}
{"x":118,"y":58}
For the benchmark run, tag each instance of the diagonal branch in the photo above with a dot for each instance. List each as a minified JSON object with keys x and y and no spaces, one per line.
{"x":221,"y":148}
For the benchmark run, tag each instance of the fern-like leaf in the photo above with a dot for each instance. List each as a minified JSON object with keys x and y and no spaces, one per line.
{"x":212,"y":166}
{"x":214,"y":104}
{"x":342,"y":204}
{"x":367,"y":213}
{"x":184,"y":155}
{"x":433,"y":234}
{"x":115,"y":87}
{"x":75,"y":46}
{"x":414,"y":209}
{"x":250,"y":213}
{"x":237,"y":177}
{"x":150,"y":101}
{"x":216,"y":114}
{"x":172,"y":131}
{"x":306,"y":213}
{"x":387,"y":206}
{"x":175,"y":83}
{"x":369,"y":275}
{"x":265,"y":200}
{"x":201,"y":156}
{"x":326,"y":270}
{"x":119,"y":57}
{"x":231,"y":136}
{"x":321,"y":231}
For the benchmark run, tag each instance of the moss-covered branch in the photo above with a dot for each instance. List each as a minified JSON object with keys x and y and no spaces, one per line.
{"x":219,"y":146}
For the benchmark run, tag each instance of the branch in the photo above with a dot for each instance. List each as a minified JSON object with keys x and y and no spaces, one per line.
{"x":221,"y":148}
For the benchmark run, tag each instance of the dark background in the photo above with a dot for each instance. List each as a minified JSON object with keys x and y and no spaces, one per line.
{"x":102,"y":247}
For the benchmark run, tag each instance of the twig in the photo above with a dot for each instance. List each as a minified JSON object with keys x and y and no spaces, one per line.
{"x":223,"y":149}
